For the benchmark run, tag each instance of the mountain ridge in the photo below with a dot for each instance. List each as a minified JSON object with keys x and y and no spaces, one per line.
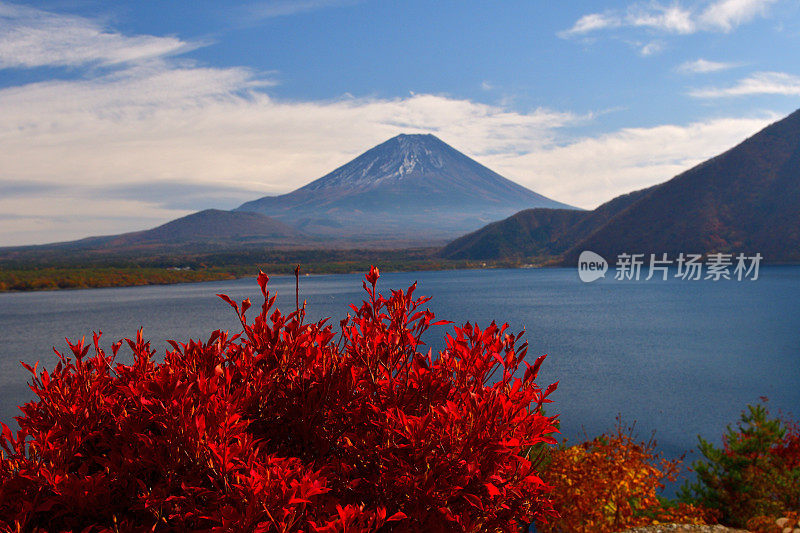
{"x":537,"y":232}
{"x":744,"y":200}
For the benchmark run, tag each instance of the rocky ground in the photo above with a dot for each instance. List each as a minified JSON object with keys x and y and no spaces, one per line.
{"x":785,"y":525}
{"x":682,"y":528}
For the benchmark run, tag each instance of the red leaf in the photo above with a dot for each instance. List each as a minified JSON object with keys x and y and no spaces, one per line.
{"x":399,"y":515}
{"x":493,"y":491}
{"x":373,"y":275}
{"x":7,"y":433}
{"x":263,"y":279}
{"x":230,"y":302}
{"x":533,"y":371}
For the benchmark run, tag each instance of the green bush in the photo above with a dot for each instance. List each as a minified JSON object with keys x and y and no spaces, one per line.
{"x":755,"y":473}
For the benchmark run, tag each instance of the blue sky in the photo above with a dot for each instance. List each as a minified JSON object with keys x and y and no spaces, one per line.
{"x":120,"y":116}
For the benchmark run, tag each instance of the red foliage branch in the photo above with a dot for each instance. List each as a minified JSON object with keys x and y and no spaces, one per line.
{"x":285,"y":427}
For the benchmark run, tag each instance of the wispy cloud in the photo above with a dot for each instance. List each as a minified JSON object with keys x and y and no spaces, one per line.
{"x":33,"y":38}
{"x":282,"y":8}
{"x":778,"y":83}
{"x":653,"y":47}
{"x":591,"y":170}
{"x":110,"y":156}
{"x":725,"y":15}
{"x":704,"y":66}
{"x":106,"y":144}
{"x":675,"y":18}
{"x":176,"y":195}
{"x":592,"y":22}
{"x":670,"y":19}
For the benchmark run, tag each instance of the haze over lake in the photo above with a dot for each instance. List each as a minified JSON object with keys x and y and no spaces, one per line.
{"x":680,"y":357}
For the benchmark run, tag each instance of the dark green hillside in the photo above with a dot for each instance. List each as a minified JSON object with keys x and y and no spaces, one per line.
{"x":744,"y":200}
{"x":536,"y":232}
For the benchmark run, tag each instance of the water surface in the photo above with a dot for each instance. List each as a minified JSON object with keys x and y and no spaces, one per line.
{"x":679,"y":357}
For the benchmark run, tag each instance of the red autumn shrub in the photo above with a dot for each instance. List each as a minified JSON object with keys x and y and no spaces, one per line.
{"x":285,"y":427}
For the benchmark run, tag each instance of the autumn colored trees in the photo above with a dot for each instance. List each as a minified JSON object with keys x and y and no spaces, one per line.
{"x":612,"y":483}
{"x":295,"y":426}
{"x":285,"y":427}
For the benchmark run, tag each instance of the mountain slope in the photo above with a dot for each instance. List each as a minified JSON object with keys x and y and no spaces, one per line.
{"x":411,"y":186}
{"x":211,"y":225}
{"x":744,"y":200}
{"x":536,"y":232}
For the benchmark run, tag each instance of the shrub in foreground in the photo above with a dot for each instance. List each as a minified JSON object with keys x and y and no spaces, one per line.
{"x":285,"y":427}
{"x":755,"y":477}
{"x":610,"y":484}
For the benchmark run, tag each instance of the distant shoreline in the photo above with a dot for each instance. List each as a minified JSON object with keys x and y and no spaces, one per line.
{"x":90,"y":277}
{"x":42,"y":277}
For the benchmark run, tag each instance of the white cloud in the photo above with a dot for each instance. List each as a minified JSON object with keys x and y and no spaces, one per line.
{"x":703,"y":66}
{"x":281,"y":8}
{"x":726,"y":15}
{"x":778,"y":83}
{"x":591,"y":22}
{"x":592,"y":170}
{"x":33,"y":38}
{"x":79,"y":145}
{"x":671,"y":19}
{"x":675,"y":18}
{"x":653,"y":47}
{"x":206,"y":128}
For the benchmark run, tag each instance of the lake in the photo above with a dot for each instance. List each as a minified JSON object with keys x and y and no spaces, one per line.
{"x":678,"y":357}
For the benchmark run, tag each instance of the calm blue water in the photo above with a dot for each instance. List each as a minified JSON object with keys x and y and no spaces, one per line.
{"x":679,"y":357}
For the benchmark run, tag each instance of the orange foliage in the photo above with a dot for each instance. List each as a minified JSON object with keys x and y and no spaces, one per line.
{"x":771,"y":524}
{"x":610,"y":484}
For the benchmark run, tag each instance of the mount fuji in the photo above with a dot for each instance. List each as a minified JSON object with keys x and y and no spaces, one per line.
{"x":413,"y":188}
{"x":410,"y":191}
